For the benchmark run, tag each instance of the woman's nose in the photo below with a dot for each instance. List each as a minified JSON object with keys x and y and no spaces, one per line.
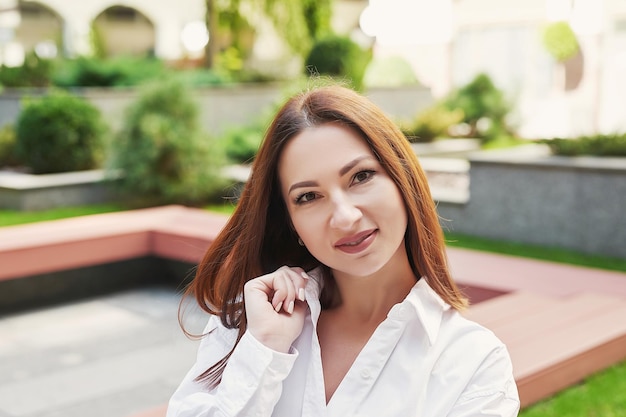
{"x":344,"y":214}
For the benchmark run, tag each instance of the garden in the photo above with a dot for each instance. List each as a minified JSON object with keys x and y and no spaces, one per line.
{"x":160,"y":154}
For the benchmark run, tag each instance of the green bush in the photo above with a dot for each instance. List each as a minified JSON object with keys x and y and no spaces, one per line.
{"x":432,"y":123}
{"x":597,"y":145}
{"x":58,"y":133}
{"x":34,"y":72}
{"x":560,"y":41}
{"x":242,"y":143}
{"x":8,"y":156}
{"x":484,"y":107}
{"x":393,"y":71}
{"x":96,"y":72}
{"x":338,"y":57}
{"x":161,"y":152}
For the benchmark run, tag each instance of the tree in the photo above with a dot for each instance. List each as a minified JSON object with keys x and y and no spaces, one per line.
{"x":298,"y":22}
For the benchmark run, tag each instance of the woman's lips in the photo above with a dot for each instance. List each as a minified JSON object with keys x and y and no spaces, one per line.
{"x":356,"y":243}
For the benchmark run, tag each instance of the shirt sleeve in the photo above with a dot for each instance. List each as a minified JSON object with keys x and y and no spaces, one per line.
{"x":251,"y":383}
{"x":492,"y":391}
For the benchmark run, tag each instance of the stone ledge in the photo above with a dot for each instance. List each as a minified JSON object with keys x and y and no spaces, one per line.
{"x":19,"y":191}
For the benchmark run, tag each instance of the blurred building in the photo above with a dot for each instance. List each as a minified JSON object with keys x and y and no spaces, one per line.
{"x":121,"y":27}
{"x":447,"y":42}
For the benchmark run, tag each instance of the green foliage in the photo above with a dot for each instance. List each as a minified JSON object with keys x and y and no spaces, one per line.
{"x":34,"y":72}
{"x":58,"y":133}
{"x":300,"y":23}
{"x":560,"y":41}
{"x":393,"y":71}
{"x":242,"y":143}
{"x":198,"y":77}
{"x":161,"y":151}
{"x":597,"y":145}
{"x":96,"y":39}
{"x":340,"y":57}
{"x":484,"y":107}
{"x":602,"y":394}
{"x":8,"y":155}
{"x":432,"y":123}
{"x":96,"y":72}
{"x":317,"y":15}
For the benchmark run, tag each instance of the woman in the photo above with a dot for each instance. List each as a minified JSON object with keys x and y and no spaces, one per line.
{"x":329,"y":289}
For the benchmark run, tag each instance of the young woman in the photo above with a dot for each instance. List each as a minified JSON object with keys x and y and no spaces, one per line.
{"x":329,"y":289}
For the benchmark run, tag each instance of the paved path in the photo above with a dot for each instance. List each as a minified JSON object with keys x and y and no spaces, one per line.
{"x":119,"y":355}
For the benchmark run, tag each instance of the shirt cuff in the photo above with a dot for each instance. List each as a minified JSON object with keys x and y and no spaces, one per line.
{"x":255,"y":373}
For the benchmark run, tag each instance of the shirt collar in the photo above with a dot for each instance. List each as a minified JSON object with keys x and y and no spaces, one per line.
{"x":425,"y":302}
{"x":428,"y":306}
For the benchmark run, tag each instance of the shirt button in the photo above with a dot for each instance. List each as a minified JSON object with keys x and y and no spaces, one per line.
{"x":365,"y":374}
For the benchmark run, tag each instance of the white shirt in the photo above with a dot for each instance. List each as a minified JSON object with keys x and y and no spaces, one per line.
{"x":423,"y":360}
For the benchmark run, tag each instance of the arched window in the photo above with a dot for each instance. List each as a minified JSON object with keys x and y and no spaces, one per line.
{"x":121,"y":30}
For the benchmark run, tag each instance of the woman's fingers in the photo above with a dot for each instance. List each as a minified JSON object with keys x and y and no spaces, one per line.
{"x":282,"y":287}
{"x":275,"y":309}
{"x":288,"y":284}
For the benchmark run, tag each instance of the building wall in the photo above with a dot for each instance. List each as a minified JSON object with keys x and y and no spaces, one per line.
{"x":503,"y":39}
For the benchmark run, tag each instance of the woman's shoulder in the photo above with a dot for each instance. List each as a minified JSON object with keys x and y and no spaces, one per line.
{"x":469,"y":338}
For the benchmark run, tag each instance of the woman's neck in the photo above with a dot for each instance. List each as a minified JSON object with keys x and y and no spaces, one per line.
{"x":369,"y":298}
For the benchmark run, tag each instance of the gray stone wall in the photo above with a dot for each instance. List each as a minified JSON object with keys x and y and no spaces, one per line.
{"x":532,"y":197}
{"x":224,"y":107}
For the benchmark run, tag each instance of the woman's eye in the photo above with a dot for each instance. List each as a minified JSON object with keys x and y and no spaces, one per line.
{"x":305,"y":198}
{"x":362,"y":176}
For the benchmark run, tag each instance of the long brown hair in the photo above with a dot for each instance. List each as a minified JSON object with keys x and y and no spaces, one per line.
{"x":258,"y":237}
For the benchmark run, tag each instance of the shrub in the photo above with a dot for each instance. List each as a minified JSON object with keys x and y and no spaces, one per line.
{"x":338,"y":56}
{"x":8,"y":156}
{"x":95,"y":72}
{"x":242,"y":143}
{"x":34,"y":72}
{"x":484,"y":107}
{"x":393,"y":71}
{"x":163,"y":155}
{"x":432,"y":123}
{"x":598,"y":145}
{"x":58,"y":133}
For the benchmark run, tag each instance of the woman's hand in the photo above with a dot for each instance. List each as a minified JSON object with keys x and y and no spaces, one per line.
{"x":275,"y":307}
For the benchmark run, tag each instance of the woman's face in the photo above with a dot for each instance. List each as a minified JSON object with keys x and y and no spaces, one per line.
{"x":346,"y":209}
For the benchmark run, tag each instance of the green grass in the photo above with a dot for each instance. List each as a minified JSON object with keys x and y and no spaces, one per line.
{"x":536,"y":252}
{"x":15,"y":217}
{"x":601,"y":395}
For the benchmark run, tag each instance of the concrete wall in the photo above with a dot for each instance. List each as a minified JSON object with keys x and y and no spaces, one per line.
{"x":222,"y":107}
{"x":535,"y":198}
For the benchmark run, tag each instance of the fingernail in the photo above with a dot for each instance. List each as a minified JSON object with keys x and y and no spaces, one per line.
{"x":304,"y":275}
{"x":277,"y":308}
{"x":290,"y":307}
{"x":301,"y":294}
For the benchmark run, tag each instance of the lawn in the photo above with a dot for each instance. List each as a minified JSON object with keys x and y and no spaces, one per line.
{"x":601,"y":395}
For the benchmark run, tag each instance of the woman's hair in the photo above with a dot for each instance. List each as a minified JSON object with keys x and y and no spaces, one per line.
{"x":258,"y":238}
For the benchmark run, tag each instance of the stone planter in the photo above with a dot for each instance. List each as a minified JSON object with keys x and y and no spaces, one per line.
{"x":38,"y":192}
{"x":528,"y":195}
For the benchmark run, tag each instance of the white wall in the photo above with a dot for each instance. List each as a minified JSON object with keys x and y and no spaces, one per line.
{"x":503,"y":39}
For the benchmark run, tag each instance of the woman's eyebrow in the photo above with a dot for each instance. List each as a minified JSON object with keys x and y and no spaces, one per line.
{"x":343,"y":171}
{"x":303,"y":184}
{"x":347,"y":167}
